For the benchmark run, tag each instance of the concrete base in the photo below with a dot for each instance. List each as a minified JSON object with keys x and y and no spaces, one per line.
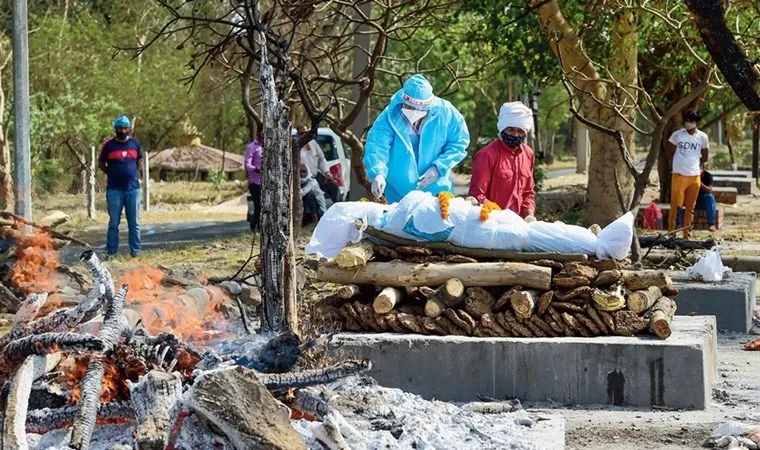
{"x":731,"y":301}
{"x":743,"y":185}
{"x":635,"y":371}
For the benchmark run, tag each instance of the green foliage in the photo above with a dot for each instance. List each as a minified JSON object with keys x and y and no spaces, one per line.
{"x":217,"y":178}
{"x":539,"y":176}
{"x":50,"y":176}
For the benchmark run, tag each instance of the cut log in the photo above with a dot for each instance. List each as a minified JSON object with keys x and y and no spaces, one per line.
{"x":433,"y":327}
{"x":575,"y":269}
{"x":608,"y":278}
{"x":669,"y":291}
{"x":608,"y":300}
{"x":515,"y":326}
{"x":467,"y":318}
{"x":535,"y":329}
{"x":347,"y":291}
{"x":354,"y":313}
{"x":355,"y":255}
{"x":557,"y":318}
{"x":556,"y":266}
{"x":434,"y":308}
{"x":607,"y":319}
{"x":491,"y":323}
{"x":385,"y":251}
{"x":605,"y":264}
{"x":449,"y":326}
{"x":504,"y":299}
{"x":458,"y":321}
{"x":570,"y":282}
{"x":459,"y":259}
{"x":544,"y":302}
{"x":413,"y":250}
{"x":635,"y":280}
{"x":450,"y":293}
{"x":575,"y":325}
{"x":567,"y":307}
{"x":640,"y":301}
{"x":523,"y":303}
{"x":544,"y":326}
{"x":582,"y":292}
{"x":598,"y":320}
{"x":479,"y":301}
{"x":473,"y":252}
{"x":588,"y":323}
{"x":399,"y":273}
{"x":628,"y":323}
{"x":411,"y":323}
{"x":156,"y":400}
{"x":386,"y":300}
{"x":393,"y":322}
{"x":368,"y":315}
{"x":662,"y":316}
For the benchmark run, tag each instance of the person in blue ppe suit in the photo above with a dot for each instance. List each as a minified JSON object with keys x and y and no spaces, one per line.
{"x":414,"y":143}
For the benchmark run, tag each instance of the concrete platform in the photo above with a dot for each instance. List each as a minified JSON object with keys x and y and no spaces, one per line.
{"x":743,"y":185}
{"x":634,"y":371}
{"x":725,"y":195}
{"x":731,"y":301}
{"x":732,"y":173}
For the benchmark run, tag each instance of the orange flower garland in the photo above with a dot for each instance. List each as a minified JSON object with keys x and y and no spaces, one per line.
{"x":443,"y":200}
{"x":486,"y":209}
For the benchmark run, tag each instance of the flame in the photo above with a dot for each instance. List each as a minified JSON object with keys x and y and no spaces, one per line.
{"x":190,"y":314}
{"x":36,"y":264}
{"x":114,"y":384}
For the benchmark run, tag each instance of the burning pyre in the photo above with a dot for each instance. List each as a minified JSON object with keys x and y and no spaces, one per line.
{"x":109,"y":360}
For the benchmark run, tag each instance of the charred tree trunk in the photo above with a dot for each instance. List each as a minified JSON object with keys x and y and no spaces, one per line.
{"x":295,"y":192}
{"x":731,"y":59}
{"x":278,"y":259}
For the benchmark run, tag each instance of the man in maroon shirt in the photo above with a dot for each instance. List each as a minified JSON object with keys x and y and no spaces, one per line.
{"x":502,"y":171}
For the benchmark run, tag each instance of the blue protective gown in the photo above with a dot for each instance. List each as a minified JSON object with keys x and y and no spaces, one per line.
{"x":443,"y":143}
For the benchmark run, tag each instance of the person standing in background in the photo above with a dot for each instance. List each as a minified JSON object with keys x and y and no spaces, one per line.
{"x":253,"y":153}
{"x":314,"y":158}
{"x":120,"y":159}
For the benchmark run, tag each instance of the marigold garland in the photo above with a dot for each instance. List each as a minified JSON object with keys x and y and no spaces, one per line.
{"x":443,"y":200}
{"x":486,"y":209}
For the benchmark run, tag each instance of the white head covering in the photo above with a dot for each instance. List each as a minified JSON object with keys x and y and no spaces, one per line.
{"x":516,"y":115}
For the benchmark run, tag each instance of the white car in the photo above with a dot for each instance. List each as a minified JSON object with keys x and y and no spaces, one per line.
{"x":338,"y":158}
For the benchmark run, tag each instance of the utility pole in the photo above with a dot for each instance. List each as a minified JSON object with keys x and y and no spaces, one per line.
{"x":21,"y":110}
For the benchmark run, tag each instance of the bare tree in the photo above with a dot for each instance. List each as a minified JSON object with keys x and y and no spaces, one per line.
{"x":6,"y":179}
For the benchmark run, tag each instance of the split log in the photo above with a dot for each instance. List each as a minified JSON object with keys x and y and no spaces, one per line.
{"x":575,"y":269}
{"x":92,"y":382}
{"x":386,"y":300}
{"x":413,"y":250}
{"x":349,"y":321}
{"x":574,"y":325}
{"x":478,"y":302}
{"x":449,"y":326}
{"x":17,"y":403}
{"x":515,"y":326}
{"x":472,"y":252}
{"x":471,"y":322}
{"x":607,"y":319}
{"x":603,"y":328}
{"x":504,"y":299}
{"x":608,"y":300}
{"x":313,"y":377}
{"x":458,"y":321}
{"x":459,"y":259}
{"x":608,"y":278}
{"x":399,"y":273}
{"x":556,"y":266}
{"x":156,"y":400}
{"x":588,"y":323}
{"x":42,"y":421}
{"x":535,"y":329}
{"x":368,"y":316}
{"x":544,"y":326}
{"x":481,"y":331}
{"x":582,"y":292}
{"x":355,"y":255}
{"x":557,"y":318}
{"x":567,"y":307}
{"x":570,"y":282}
{"x":42,"y":344}
{"x":628,"y":323}
{"x":392,"y":320}
{"x":501,"y":320}
{"x":433,"y":327}
{"x":386,"y":252}
{"x":640,"y":301}
{"x":523,"y":303}
{"x":411,"y":323}
{"x":544,"y":302}
{"x":491,"y":323}
{"x":354,"y":314}
{"x":347,"y":291}
{"x":636,"y":280}
{"x":662,"y":316}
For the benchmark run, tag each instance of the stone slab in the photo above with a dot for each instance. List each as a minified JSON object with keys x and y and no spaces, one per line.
{"x":743,"y":185}
{"x":725,"y":195}
{"x":640,"y":371}
{"x":730,"y":301}
{"x":732,"y":173}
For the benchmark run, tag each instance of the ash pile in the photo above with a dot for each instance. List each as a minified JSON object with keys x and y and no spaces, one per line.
{"x":418,"y":289}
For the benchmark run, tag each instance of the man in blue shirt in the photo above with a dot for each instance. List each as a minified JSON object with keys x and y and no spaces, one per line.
{"x":120,"y":159}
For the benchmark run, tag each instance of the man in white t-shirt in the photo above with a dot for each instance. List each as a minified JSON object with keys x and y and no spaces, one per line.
{"x":688,"y":149}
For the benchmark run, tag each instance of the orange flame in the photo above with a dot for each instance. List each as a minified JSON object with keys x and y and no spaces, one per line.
{"x":114,"y":384}
{"x":189,"y":314}
{"x":36,"y":264}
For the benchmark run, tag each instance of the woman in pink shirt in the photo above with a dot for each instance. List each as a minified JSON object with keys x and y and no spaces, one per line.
{"x":253,"y":169}
{"x":502,"y":171}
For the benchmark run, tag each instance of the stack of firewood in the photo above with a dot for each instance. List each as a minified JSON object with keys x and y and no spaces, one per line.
{"x":411,"y":289}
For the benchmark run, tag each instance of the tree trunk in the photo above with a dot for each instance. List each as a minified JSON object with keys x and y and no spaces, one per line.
{"x":740,"y":72}
{"x":278,"y":258}
{"x":399,"y":273}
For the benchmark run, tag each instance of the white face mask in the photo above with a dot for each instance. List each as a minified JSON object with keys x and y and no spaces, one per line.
{"x":690,"y":125}
{"x":413,"y":115}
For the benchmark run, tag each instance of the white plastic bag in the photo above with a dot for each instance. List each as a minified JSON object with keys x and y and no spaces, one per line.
{"x":337,"y":228}
{"x":614,"y":241}
{"x":709,"y":267}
